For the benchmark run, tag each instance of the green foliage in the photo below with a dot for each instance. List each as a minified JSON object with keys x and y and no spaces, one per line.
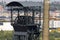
{"x":58,"y":39}
{"x":52,"y":37}
{"x":6,"y":35}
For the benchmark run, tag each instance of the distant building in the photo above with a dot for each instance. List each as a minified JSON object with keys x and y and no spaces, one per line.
{"x":1,"y":8}
{"x":54,"y":15}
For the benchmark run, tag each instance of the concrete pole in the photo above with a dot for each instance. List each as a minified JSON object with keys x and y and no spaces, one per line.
{"x":46,"y":20}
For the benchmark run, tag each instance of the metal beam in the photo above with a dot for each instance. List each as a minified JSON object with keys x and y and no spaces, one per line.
{"x":46,"y":20}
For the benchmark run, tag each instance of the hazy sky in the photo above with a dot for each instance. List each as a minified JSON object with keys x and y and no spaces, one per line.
{"x":27,"y":0}
{"x":20,"y":0}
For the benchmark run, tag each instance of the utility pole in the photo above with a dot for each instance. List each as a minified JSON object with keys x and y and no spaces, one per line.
{"x":46,"y":20}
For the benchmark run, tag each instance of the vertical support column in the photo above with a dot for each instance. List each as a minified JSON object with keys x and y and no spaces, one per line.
{"x":39,"y":22}
{"x":26,"y":14}
{"x":11,"y":16}
{"x":25,"y":11}
{"x":46,"y":20}
{"x":27,"y":37}
{"x":40,"y":16}
{"x":18,"y":14}
{"x":33,"y":15}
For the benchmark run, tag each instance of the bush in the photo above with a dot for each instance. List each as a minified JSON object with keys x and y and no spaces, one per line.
{"x":6,"y":35}
{"x":52,"y":38}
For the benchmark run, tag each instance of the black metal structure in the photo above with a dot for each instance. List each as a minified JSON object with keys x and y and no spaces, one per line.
{"x":25,"y":26}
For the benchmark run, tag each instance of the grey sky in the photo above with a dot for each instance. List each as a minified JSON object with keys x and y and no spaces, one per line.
{"x":27,"y":0}
{"x":19,"y":0}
